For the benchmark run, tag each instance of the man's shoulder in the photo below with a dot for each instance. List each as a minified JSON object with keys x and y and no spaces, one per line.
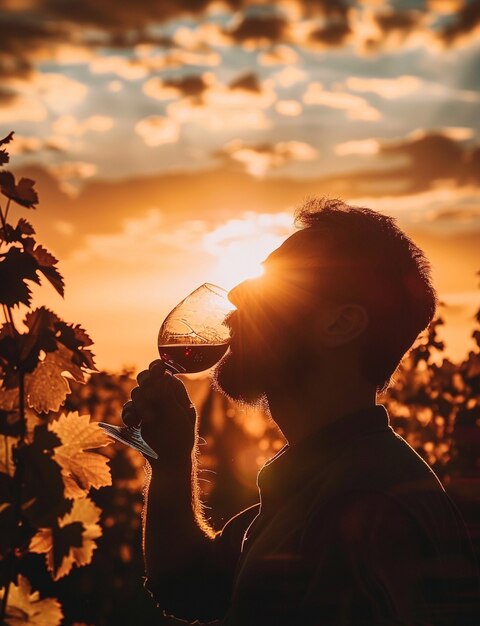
{"x":385,"y":461}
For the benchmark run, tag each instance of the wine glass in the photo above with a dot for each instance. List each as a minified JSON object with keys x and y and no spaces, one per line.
{"x":192,"y":338}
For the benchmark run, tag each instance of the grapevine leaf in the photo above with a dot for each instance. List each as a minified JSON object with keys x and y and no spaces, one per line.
{"x":16,"y":267}
{"x":43,"y":491}
{"x":46,"y":388}
{"x":46,"y":264}
{"x":81,"y":468}
{"x":7,"y":139}
{"x":76,"y":339}
{"x":56,"y":543}
{"x":22,"y":193}
{"x":4,"y":156}
{"x":8,"y":399}
{"x":66,"y":546}
{"x":18,"y":234}
{"x":40,"y":336}
{"x":6,"y":455}
{"x":26,"y":608}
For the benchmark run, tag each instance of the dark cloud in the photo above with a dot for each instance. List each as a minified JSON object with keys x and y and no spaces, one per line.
{"x":397,"y":21}
{"x":466,"y":20}
{"x":333,"y":34}
{"x":110,"y":14}
{"x":435,"y":157}
{"x":255,"y":28}
{"x":21,"y":38}
{"x":27,"y":33}
{"x":329,"y":8}
{"x":191,"y":86}
{"x":7,"y":96}
{"x":462,"y":214}
{"x":246,"y":82}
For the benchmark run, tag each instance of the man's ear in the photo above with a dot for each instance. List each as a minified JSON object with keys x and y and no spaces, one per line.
{"x":341,"y":324}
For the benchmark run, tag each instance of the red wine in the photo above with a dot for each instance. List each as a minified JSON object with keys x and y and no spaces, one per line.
{"x":192,"y":358}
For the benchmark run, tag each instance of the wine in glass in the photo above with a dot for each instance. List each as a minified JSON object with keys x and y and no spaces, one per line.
{"x":192,"y":338}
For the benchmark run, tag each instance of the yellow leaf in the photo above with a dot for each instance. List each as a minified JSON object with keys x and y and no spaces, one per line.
{"x":6,"y":459}
{"x":60,"y":554}
{"x":8,"y":398}
{"x":81,"y":468}
{"x":25,"y":607}
{"x":45,"y":388}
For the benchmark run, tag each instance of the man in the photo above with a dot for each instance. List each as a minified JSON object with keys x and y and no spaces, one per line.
{"x":352,"y":526}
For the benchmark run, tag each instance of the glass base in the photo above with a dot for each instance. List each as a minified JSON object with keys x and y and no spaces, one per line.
{"x":130,"y":436}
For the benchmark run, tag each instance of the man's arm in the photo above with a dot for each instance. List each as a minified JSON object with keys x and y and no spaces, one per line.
{"x":189,"y":568}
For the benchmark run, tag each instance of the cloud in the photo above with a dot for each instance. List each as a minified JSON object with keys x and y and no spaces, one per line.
{"x":278,"y":55}
{"x":144,"y":236}
{"x":157,"y":130}
{"x":200,"y":99}
{"x":360,"y":147}
{"x":72,"y":32}
{"x":355,"y":107}
{"x":397,"y":23}
{"x":388,"y":88}
{"x":259,"y":159}
{"x":31,"y":100}
{"x":124,"y":67}
{"x":246,"y":82}
{"x":436,"y":156}
{"x":21,"y":108}
{"x":70,"y":125}
{"x":221,"y":113}
{"x":192,"y":86}
{"x":71,"y":175}
{"x":459,"y":215}
{"x":259,"y":30}
{"x":31,"y":145}
{"x":289,"y":76}
{"x":333,"y":34}
{"x":289,"y":108}
{"x":466,"y":23}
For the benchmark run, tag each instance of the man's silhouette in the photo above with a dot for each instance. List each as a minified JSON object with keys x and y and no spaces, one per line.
{"x":352,"y":526}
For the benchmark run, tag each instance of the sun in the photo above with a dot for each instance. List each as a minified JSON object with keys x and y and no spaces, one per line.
{"x":241,"y":245}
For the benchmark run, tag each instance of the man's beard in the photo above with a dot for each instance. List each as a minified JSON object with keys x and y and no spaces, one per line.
{"x":241,"y":380}
{"x":254,"y":375}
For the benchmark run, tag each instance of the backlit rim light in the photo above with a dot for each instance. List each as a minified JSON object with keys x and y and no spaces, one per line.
{"x":241,"y":245}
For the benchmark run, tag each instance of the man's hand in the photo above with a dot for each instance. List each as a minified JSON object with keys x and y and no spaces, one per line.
{"x":162,"y":405}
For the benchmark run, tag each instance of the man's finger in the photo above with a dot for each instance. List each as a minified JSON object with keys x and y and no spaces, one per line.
{"x":142,"y":376}
{"x":129,"y":415}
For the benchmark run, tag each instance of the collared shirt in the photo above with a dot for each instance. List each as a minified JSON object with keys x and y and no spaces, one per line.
{"x":353,"y":528}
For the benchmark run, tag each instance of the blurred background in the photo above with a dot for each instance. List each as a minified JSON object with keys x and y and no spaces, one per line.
{"x":171,"y":143}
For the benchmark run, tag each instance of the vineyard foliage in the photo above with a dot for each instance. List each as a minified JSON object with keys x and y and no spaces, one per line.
{"x":54,"y":518}
{"x":47,"y":466}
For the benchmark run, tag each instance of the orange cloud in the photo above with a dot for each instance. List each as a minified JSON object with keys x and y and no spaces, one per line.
{"x":260,"y":159}
{"x":157,"y":130}
{"x":388,"y":88}
{"x":355,"y":107}
{"x":70,"y":125}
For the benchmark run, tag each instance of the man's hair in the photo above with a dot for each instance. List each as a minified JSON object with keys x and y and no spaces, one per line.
{"x":372,"y":262}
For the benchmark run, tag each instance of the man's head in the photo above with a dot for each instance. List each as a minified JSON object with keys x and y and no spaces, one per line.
{"x":349,"y":287}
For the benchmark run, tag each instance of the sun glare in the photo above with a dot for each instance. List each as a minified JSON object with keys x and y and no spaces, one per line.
{"x":241,"y":245}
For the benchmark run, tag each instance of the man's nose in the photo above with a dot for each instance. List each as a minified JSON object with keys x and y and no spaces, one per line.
{"x":242,"y":292}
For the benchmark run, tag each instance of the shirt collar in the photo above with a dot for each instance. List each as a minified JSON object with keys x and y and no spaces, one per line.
{"x":292,"y":465}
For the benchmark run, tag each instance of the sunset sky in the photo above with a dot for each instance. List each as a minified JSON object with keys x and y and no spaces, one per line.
{"x":172,"y":141}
